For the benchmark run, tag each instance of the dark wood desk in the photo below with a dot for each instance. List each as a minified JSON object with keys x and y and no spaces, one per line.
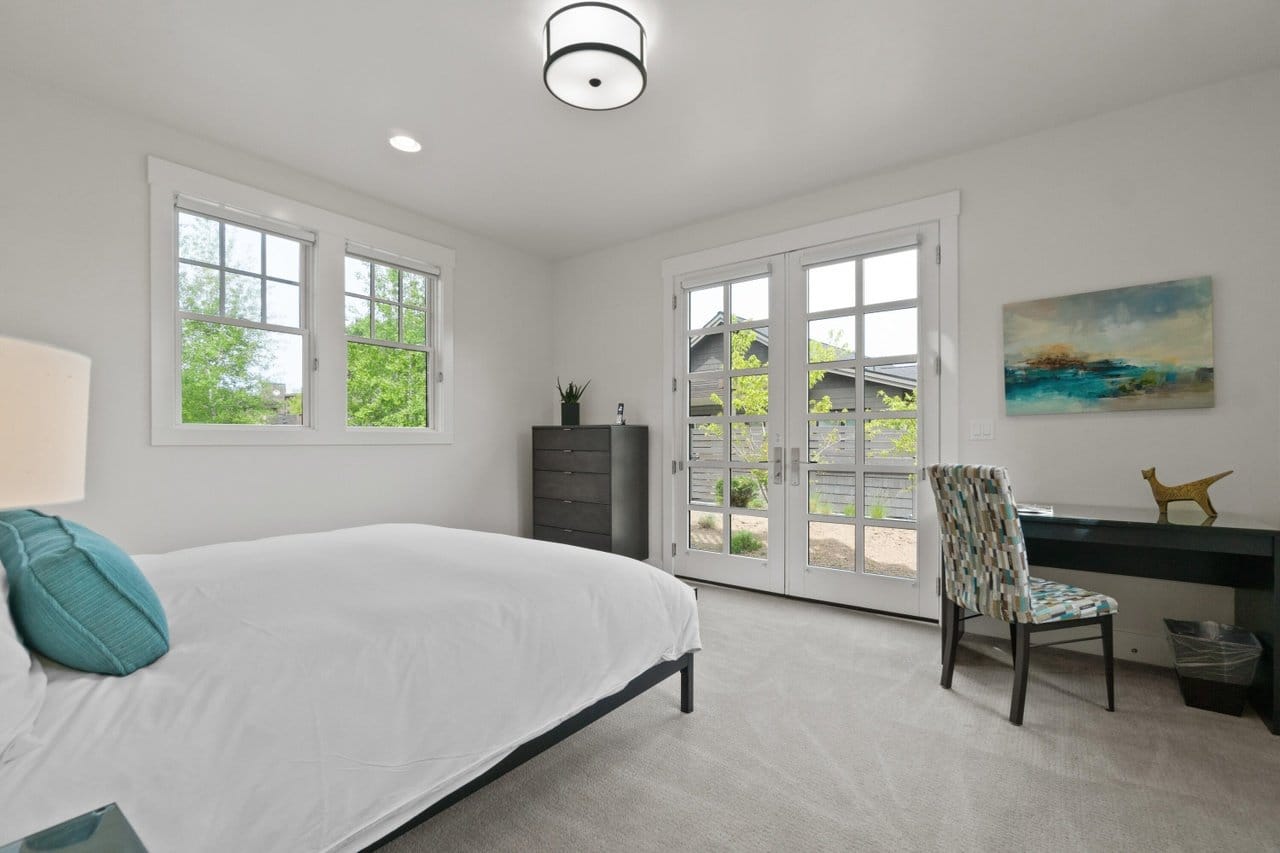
{"x":1230,"y":550}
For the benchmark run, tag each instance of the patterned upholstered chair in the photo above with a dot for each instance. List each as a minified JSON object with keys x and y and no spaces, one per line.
{"x":985,"y":569}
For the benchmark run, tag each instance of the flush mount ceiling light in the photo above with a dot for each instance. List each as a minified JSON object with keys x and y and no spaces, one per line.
{"x":408,"y":144}
{"x":594,"y":56}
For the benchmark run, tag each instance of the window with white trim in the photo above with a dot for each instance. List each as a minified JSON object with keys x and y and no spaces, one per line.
{"x":389,"y":336}
{"x":242,"y":340}
{"x":275,"y":322}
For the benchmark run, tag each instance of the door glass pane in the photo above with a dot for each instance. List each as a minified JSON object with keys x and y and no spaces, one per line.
{"x":706,"y":443}
{"x":832,"y":339}
{"x":832,"y":286}
{"x":749,"y":536}
{"x":748,"y":442}
{"x":706,"y":307}
{"x":706,"y":532}
{"x":706,"y":396}
{"x":751,"y":394}
{"x":749,"y":488}
{"x":890,"y":441}
{"x":749,"y":300}
{"x":705,"y":486}
{"x":890,"y":333}
{"x":834,"y":389}
{"x":706,"y":353}
{"x":833,"y":493}
{"x":833,"y":546}
{"x":890,"y":387}
{"x":888,"y":278}
{"x":891,"y":496}
{"x":890,"y":551}
{"x":749,"y":348}
{"x":833,"y":441}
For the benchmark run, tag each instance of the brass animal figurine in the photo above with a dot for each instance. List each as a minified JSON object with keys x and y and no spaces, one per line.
{"x":1197,"y":490}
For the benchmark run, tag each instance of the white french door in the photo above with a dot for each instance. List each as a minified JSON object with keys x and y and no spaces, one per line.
{"x":808,"y":408}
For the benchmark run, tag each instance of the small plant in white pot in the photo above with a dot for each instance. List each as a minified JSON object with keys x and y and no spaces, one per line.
{"x":570,"y":397}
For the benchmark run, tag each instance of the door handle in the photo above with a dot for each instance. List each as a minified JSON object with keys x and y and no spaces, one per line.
{"x":795,"y":466}
{"x":777,"y":465}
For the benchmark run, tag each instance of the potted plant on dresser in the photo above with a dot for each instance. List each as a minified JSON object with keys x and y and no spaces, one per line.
{"x":570,"y":397}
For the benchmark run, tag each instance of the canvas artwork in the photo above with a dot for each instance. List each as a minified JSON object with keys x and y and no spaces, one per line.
{"x":1143,"y":347}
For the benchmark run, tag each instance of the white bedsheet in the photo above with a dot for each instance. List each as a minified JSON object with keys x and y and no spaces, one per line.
{"x":323,"y":688}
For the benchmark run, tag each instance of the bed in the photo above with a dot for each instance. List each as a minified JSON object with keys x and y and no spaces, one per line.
{"x":323,"y":691}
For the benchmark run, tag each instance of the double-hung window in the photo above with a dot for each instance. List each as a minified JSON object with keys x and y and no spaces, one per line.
{"x":275,"y":322}
{"x":389,"y":320}
{"x":241,"y":292}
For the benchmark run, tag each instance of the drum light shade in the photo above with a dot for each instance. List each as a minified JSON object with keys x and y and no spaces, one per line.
{"x":594,"y":56}
{"x":44,"y":420}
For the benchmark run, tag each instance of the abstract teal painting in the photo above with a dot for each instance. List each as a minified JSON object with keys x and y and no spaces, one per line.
{"x":1120,"y":350}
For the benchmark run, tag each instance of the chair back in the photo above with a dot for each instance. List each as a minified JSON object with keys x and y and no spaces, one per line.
{"x":984,"y":557}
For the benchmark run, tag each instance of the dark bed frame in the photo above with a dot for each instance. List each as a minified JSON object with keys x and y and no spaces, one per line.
{"x":546,"y":740}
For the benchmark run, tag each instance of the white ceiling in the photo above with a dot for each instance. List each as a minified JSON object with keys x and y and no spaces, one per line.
{"x":748,"y":100}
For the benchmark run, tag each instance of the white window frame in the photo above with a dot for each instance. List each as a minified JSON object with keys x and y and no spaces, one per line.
{"x":325,"y":343}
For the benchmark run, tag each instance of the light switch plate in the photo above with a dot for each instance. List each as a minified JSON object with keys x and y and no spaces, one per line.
{"x":982,"y":430}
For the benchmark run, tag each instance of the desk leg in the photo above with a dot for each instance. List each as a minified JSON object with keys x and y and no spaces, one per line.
{"x":1259,"y":611}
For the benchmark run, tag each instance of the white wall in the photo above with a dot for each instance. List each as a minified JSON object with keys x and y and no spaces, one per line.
{"x":74,"y":271}
{"x":1184,"y":186}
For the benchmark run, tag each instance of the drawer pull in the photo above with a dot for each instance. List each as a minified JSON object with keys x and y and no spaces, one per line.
{"x":567,"y":529}
{"x":570,"y":473}
{"x":566,"y":451}
{"x":566,"y":502}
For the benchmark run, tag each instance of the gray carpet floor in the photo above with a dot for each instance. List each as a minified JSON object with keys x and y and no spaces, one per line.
{"x":819,"y":728}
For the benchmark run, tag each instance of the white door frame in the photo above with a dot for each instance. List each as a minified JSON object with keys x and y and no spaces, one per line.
{"x":943,"y":209}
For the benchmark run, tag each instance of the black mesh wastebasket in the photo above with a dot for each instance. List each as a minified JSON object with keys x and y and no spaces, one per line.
{"x":1215,"y":663}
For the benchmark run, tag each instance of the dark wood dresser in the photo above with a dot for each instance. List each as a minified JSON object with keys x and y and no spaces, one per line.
{"x":591,"y":487}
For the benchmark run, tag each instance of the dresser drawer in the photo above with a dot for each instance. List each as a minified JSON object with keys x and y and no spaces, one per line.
{"x":568,"y":486}
{"x":569,"y":438}
{"x":573,"y":537}
{"x":587,"y":461}
{"x":590,"y":518}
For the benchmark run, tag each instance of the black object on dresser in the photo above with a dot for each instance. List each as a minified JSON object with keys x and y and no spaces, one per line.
{"x":591,"y":487}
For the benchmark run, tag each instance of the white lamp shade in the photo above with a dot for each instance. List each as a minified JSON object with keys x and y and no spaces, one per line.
{"x":44,"y":423}
{"x":594,"y":56}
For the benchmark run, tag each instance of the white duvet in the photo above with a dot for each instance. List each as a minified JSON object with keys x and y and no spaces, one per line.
{"x":323,"y":688}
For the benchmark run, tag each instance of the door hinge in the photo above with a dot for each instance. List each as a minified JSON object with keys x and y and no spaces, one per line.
{"x":673,"y":549}
{"x":675,"y":385}
{"x":937,"y":254}
{"x":673,"y":302}
{"x":938,"y":585}
{"x":937,"y":365}
{"x":315,"y":364}
{"x":673,"y":466}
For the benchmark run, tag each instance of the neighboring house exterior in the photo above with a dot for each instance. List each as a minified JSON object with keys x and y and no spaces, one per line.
{"x":888,"y":493}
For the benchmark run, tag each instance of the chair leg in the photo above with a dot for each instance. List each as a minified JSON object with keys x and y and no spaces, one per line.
{"x":1109,"y":655}
{"x":1013,"y":642}
{"x":1022,"y":663}
{"x":950,"y":639}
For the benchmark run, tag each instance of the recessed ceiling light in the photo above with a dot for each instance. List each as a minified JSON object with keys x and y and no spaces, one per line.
{"x":400,"y":142}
